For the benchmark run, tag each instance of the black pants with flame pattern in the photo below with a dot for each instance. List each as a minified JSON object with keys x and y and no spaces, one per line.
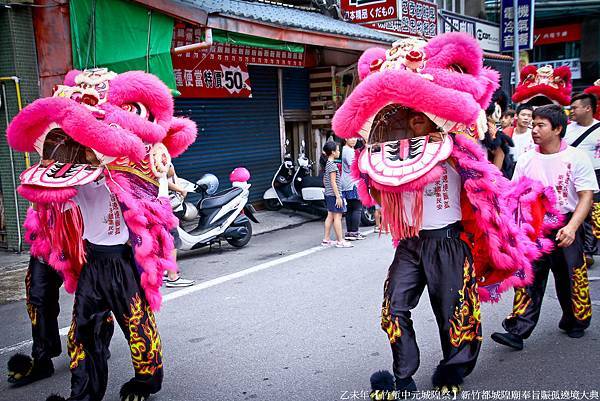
{"x":109,"y":282}
{"x":445,"y":266}
{"x":572,"y":290}
{"x":42,"y":284}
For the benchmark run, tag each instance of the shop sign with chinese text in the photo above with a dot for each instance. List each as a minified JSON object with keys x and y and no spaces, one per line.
{"x":221,"y":70}
{"x":417,"y":18}
{"x":557,"y":34}
{"x":524,"y":30}
{"x":363,"y":11}
{"x":486,"y":33}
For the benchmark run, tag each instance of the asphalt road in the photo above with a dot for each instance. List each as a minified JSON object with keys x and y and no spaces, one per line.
{"x":284,"y":319}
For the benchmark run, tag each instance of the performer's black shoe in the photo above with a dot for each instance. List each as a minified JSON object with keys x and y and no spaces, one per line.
{"x":385,"y":387}
{"x":447,"y":380}
{"x":575,"y":333}
{"x":55,"y":397}
{"x":23,"y":370}
{"x":510,"y":340}
{"x":135,"y":390}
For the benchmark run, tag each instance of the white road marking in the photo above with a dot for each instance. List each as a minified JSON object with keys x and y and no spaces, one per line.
{"x":199,"y":287}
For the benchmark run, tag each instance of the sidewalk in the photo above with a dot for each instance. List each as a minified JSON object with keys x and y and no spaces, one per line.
{"x":13,"y":266}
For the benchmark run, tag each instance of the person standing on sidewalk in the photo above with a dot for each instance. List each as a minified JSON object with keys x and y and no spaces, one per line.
{"x":333,"y":197}
{"x":584,"y":133}
{"x":571,"y":174}
{"x":350,"y":192}
{"x":173,"y":279}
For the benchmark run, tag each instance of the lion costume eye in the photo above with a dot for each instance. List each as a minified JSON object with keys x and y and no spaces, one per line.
{"x":457,"y":68}
{"x":139,"y":109}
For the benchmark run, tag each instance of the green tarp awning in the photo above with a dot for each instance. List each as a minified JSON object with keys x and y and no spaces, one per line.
{"x":121,"y":36}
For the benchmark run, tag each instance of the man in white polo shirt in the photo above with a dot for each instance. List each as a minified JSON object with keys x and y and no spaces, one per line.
{"x":571,"y":174}
{"x":584,"y":133}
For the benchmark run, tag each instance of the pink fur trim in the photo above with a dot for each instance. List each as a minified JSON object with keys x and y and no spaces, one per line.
{"x":45,"y":195}
{"x":70,"y":77}
{"x":362,"y":184}
{"x":76,"y":121}
{"x":137,"y":86}
{"x":367,"y":58}
{"x":152,"y":242}
{"x":182,"y":133}
{"x":503,"y":248}
{"x":450,"y":95}
{"x":239,"y":174}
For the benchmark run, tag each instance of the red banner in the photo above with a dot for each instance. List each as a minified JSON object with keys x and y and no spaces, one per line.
{"x":557,"y":34}
{"x":222,"y":69}
{"x":362,"y":11}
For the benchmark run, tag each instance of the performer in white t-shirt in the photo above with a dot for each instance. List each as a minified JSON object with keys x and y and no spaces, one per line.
{"x":521,"y":135}
{"x":584,"y":133}
{"x":571,"y":174}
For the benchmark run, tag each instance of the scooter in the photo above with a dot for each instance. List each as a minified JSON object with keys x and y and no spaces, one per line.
{"x":215,"y":216}
{"x":294,"y":187}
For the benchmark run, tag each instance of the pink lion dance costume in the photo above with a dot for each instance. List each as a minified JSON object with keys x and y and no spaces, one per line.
{"x":105,"y":140}
{"x":459,"y":226}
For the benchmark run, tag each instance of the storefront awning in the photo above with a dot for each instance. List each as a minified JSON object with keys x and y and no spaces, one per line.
{"x":287,"y":24}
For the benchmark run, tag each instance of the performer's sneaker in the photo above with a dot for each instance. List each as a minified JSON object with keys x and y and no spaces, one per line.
{"x":508,"y":339}
{"x":179,"y":282}
{"x":575,"y":333}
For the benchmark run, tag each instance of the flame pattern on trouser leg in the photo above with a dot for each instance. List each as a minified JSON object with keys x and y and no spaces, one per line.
{"x":521,"y":302}
{"x":466,"y":322}
{"x":109,"y":283}
{"x":572,"y":290}
{"x":454,"y":299}
{"x":595,"y":219}
{"x":580,"y":289}
{"x":144,"y":341}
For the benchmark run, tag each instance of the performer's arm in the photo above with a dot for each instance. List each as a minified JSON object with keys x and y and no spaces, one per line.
{"x":336,"y":191}
{"x":566,"y":235}
{"x":175,"y":187}
{"x":498,"y":157}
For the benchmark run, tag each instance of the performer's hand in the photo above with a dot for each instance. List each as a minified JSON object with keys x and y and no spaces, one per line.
{"x":565,"y":236}
{"x":492,"y":129}
{"x":338,"y":201}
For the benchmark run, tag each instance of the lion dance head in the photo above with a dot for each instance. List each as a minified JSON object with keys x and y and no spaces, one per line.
{"x":544,"y":85}
{"x":423,"y":103}
{"x":102,"y":123}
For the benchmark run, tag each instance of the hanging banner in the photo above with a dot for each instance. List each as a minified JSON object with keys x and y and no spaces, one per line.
{"x":221,"y":70}
{"x":417,"y":18}
{"x":524,"y":30}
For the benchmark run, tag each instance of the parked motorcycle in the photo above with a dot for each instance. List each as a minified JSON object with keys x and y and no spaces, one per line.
{"x":215,"y":216}
{"x":294,"y":187}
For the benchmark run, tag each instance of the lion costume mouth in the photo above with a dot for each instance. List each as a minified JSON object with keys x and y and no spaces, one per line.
{"x":393,"y":155}
{"x":64,"y":162}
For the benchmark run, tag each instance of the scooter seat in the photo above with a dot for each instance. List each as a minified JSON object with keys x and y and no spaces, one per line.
{"x":311,"y":181}
{"x":220,"y":198}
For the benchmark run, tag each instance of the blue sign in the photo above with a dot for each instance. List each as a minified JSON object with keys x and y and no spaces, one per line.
{"x":524,"y":30}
